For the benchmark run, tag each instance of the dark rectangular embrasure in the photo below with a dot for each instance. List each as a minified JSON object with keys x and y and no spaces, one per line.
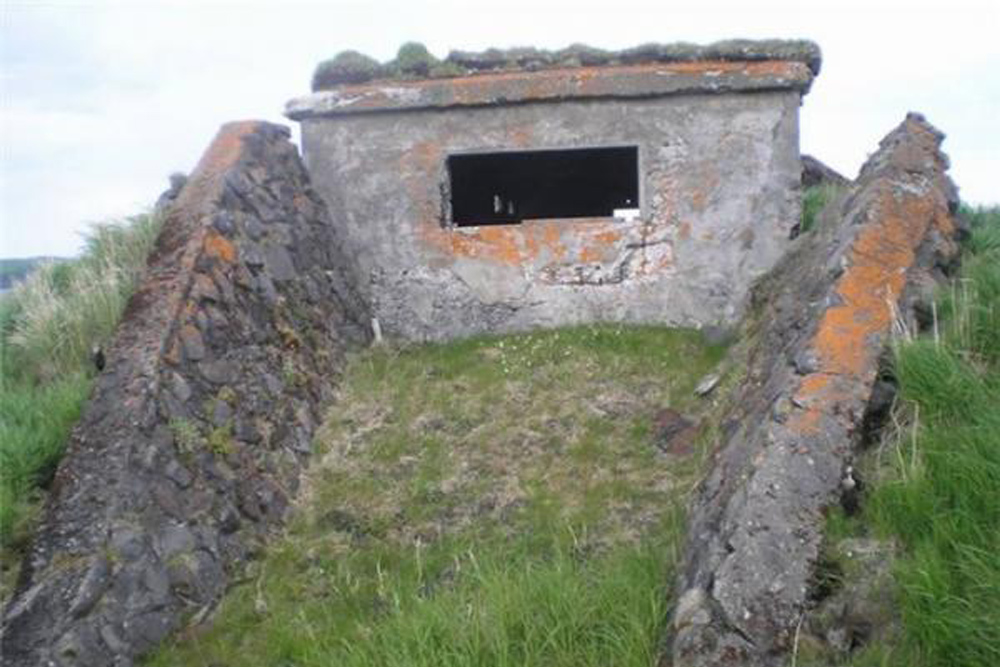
{"x":508,"y":187}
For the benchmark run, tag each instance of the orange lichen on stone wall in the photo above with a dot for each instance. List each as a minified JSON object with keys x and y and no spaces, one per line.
{"x":757,"y":522}
{"x":218,"y":247}
{"x":220,"y":157}
{"x":850,"y":334}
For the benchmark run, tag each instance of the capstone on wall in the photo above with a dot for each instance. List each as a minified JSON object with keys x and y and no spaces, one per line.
{"x":719,"y":175}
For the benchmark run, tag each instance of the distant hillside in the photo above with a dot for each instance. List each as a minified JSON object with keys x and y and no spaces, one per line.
{"x":15,"y":269}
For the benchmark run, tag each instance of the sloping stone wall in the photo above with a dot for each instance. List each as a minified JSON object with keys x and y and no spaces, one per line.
{"x":192,"y":441}
{"x":824,"y":318}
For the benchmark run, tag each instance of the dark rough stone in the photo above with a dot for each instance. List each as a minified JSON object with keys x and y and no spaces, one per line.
{"x":92,"y":587}
{"x":816,"y":173}
{"x":823,"y":319}
{"x":179,"y":387}
{"x":179,"y":474}
{"x":177,"y":182}
{"x":173,"y":540}
{"x":279,"y":263}
{"x":194,"y":346}
{"x":880,"y":404}
{"x":219,"y":371}
{"x":222,"y":413}
{"x":143,"y":498}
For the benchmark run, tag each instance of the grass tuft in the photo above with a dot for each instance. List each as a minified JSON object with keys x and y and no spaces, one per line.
{"x":814,"y":199}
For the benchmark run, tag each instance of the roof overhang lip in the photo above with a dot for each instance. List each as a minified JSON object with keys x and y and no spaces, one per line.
{"x":554,"y":85}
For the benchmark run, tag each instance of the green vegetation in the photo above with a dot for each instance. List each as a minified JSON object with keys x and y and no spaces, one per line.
{"x":14,"y":270}
{"x":936,"y":479}
{"x":51,"y":321}
{"x":48,"y":326}
{"x":814,"y":200}
{"x":413,"y":59}
{"x":495,"y":501}
{"x":345,"y":67}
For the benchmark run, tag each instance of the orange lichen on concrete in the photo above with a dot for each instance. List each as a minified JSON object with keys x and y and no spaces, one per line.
{"x":847,"y":341}
{"x":601,"y":247}
{"x":369,"y":93}
{"x":509,"y":245}
{"x":499,"y":244}
{"x":533,"y":243}
{"x":568,"y":82}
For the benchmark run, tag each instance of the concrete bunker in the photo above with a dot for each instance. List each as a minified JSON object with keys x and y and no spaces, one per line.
{"x":650,"y":186}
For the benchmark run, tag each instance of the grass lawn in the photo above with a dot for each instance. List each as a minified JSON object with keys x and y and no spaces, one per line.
{"x":496,"y":501}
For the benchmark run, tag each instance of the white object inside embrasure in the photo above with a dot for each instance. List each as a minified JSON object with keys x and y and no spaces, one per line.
{"x":627,"y":213}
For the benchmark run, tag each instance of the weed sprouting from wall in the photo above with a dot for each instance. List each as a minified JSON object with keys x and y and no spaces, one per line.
{"x":814,"y":200}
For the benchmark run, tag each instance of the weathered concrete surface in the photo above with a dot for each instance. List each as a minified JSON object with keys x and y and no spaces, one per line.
{"x":622,"y":82}
{"x":824,"y":319}
{"x":195,"y":433}
{"x":719,"y":178}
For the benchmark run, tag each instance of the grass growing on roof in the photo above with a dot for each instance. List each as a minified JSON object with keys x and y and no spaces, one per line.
{"x":495,"y":501}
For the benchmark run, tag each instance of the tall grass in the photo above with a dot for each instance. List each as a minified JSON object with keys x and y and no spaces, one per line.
{"x":52,"y":319}
{"x":48,"y":325}
{"x":455,"y":604}
{"x":941,"y":498}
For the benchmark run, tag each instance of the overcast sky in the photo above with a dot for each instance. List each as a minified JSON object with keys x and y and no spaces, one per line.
{"x":100,"y":101}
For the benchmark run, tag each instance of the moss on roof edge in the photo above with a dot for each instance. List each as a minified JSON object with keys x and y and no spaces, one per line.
{"x":350,"y":67}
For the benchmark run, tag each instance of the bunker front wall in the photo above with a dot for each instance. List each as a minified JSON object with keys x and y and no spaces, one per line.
{"x":718,"y":178}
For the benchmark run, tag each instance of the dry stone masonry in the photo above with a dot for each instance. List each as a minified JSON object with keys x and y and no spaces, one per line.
{"x":824,"y":319}
{"x":192,"y":441}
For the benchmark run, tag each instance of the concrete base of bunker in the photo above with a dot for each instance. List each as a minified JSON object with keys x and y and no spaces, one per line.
{"x":195,"y":434}
{"x":823,"y":319}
